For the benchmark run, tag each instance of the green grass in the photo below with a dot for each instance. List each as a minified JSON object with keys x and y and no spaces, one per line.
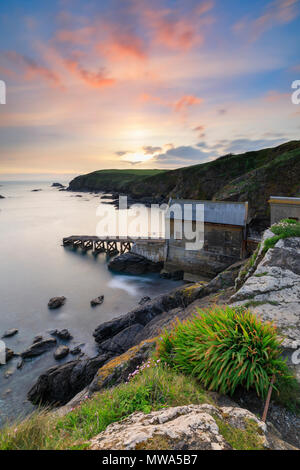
{"x":248,"y":439}
{"x":225,"y":348}
{"x":152,"y":389}
{"x":286,"y":228}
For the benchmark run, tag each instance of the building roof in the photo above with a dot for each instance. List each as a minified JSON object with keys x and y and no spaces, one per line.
{"x":284,"y":200}
{"x":226,"y":213}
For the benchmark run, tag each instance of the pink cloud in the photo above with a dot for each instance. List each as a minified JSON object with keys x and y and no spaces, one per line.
{"x":31,"y":69}
{"x":93,"y":79}
{"x":186,"y":102}
{"x":124,"y":46}
{"x":174,"y":29}
{"x":180,"y":105}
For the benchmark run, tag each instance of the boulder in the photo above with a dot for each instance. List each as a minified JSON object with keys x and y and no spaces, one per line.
{"x":56,"y":302}
{"x":61,"y":383}
{"x":97,"y":301}
{"x":38,"y":348}
{"x":57,"y":185}
{"x":10,"y":333}
{"x":2,"y":197}
{"x":61,"y":352}
{"x":191,"y":427}
{"x":132,"y":263}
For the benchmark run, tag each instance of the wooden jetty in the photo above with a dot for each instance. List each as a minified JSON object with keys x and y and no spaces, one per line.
{"x":108,"y":245}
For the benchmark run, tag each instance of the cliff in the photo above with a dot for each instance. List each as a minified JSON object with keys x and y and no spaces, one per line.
{"x":252,"y":177}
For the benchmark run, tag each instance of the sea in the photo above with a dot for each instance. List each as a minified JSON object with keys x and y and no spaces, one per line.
{"x":34,"y":266}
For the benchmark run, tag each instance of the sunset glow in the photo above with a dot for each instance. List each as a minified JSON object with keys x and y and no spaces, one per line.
{"x":91,"y":85}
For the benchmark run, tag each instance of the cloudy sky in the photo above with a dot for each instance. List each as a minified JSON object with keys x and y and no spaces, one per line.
{"x":144,"y":84}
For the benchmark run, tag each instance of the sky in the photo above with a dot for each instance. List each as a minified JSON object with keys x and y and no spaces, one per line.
{"x":144,"y":84}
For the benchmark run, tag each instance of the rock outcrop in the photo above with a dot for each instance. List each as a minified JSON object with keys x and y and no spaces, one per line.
{"x":192,"y":427}
{"x":272,"y":289}
{"x":61,"y":383}
{"x":132,"y":263}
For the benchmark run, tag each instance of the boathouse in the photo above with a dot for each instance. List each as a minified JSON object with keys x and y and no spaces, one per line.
{"x":224,"y":239}
{"x":284,"y":208}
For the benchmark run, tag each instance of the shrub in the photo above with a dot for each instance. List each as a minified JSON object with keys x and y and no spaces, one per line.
{"x":224,"y":349}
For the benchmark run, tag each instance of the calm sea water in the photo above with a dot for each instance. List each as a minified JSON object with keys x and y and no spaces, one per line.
{"x":34,"y":267}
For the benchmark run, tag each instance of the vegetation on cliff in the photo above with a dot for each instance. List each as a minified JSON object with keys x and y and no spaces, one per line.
{"x":284,"y":229}
{"x":225,"y":349}
{"x":252,"y":177}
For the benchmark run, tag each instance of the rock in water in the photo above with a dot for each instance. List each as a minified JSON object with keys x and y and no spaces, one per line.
{"x":56,"y":302}
{"x":97,"y":301}
{"x":63,"y":334}
{"x":10,"y":333}
{"x":57,"y":185}
{"x":2,"y":197}
{"x":61,"y":352}
{"x":132,"y":263}
{"x":39,"y":348}
{"x":76,"y":350}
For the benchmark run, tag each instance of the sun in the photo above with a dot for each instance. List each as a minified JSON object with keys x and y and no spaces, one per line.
{"x":137,"y":157}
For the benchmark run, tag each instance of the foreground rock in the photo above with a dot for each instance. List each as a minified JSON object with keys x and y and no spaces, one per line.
{"x":56,"y":302}
{"x":97,"y":301}
{"x":61,"y":352}
{"x":131,"y":263}
{"x":10,"y":333}
{"x":2,"y":197}
{"x":192,"y":427}
{"x":61,"y":383}
{"x":145,"y":321}
{"x":39,"y":347}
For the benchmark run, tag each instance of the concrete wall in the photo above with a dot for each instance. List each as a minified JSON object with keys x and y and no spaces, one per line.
{"x":284,"y":210}
{"x":153,"y":250}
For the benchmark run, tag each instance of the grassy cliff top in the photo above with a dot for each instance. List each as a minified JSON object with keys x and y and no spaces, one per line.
{"x":251,"y":176}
